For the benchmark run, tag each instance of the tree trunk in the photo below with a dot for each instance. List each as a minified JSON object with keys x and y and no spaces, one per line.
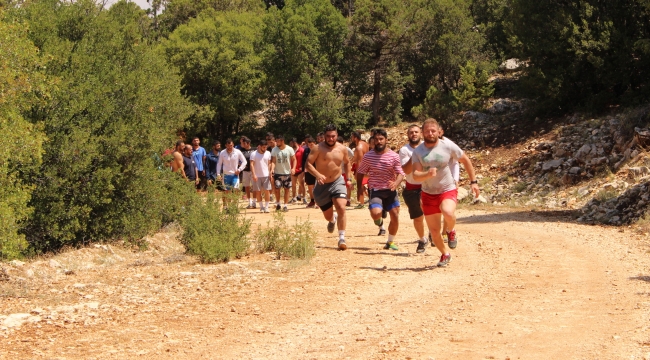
{"x":376,"y":93}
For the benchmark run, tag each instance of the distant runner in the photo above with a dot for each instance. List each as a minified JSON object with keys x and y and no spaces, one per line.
{"x":330,"y":190}
{"x":439,"y":192}
{"x":260,"y":170}
{"x":385,"y":173}
{"x":360,"y":149}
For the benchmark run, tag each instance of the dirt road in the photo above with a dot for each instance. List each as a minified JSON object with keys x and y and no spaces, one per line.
{"x":521,"y":286}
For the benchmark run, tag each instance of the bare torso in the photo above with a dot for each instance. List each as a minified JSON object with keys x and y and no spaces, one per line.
{"x":360,"y":151}
{"x":328,"y":161}
{"x":177,"y":162}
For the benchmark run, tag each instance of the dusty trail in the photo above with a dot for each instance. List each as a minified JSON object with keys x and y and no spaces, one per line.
{"x":521,"y":285}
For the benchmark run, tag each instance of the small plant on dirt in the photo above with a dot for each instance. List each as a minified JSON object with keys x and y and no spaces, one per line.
{"x":644,"y":224}
{"x":519,"y":187}
{"x":215,"y":234}
{"x":294,"y":242}
{"x":606,"y":194}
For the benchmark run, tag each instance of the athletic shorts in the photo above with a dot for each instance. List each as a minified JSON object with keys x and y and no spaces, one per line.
{"x":310,"y":179}
{"x":246,"y":179}
{"x":282,"y":181}
{"x":298,"y":172}
{"x":412,"y":200}
{"x":323,"y":194}
{"x":386,"y":199}
{"x":262,"y":183}
{"x":431,"y":203}
{"x":231,"y":182}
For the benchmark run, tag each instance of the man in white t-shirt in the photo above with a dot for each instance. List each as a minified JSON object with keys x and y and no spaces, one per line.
{"x":232,"y":162}
{"x":260,"y":170}
{"x":283,"y":160}
{"x":411,"y":193}
{"x":439,"y":192}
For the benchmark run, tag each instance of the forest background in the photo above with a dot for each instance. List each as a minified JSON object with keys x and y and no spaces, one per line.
{"x":90,"y":96}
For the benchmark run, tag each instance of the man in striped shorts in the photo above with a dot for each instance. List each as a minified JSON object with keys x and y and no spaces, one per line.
{"x":385,"y":173}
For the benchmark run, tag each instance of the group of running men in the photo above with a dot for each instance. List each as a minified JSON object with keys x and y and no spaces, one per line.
{"x":324,"y":167}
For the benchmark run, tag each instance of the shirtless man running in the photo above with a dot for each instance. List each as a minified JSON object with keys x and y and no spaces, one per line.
{"x":177,"y":161}
{"x":330,"y":190}
{"x":361,"y":148}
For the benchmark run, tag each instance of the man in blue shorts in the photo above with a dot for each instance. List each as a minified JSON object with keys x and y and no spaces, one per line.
{"x":233,"y":162}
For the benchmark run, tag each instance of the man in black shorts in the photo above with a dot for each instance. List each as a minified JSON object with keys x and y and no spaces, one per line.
{"x":329,"y":158}
{"x":310,"y":180}
{"x":411,"y":193}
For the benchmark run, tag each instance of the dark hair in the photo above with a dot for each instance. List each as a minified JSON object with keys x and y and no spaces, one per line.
{"x":262,"y":143}
{"x":356,"y":134}
{"x":294,"y":140}
{"x":196,"y":137}
{"x":216,"y":142}
{"x":280,"y":137}
{"x":245,"y":139}
{"x":381,"y":132}
{"x":320,"y":134}
{"x":330,"y":127}
{"x":228,"y":141}
{"x":179,"y":142}
{"x":310,"y":140}
{"x":340,"y":139}
{"x":306,"y":137}
{"x":269,"y":134}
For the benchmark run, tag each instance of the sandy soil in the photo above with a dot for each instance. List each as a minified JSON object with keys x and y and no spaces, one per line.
{"x":522,"y":285}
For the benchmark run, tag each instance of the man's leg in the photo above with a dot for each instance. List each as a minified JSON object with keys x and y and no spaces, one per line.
{"x":301,"y":186}
{"x":433,"y":222}
{"x":418,"y":223}
{"x":448,"y":210}
{"x":293,"y":187}
{"x":339,"y":204}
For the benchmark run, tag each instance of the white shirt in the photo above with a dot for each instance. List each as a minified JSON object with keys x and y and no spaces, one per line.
{"x":454,"y":168}
{"x":230,"y":162}
{"x":261,"y":163}
{"x":405,"y":154}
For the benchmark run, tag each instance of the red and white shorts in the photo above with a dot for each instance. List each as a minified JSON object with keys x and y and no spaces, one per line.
{"x":431,"y":203}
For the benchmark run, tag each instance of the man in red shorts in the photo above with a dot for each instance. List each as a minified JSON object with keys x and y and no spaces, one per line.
{"x":439,"y":193}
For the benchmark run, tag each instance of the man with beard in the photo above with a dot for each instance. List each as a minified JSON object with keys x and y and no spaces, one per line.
{"x":177,"y":161}
{"x":330,"y":190}
{"x":232,"y":162}
{"x":385,"y":173}
{"x":439,"y":192}
{"x":360,"y":149}
{"x":211,"y":161}
{"x":190,"y":172}
{"x":283,"y":166}
{"x":199,"y":154}
{"x":411,"y":193}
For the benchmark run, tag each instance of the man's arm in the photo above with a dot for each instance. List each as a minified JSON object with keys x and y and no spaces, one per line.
{"x":419,"y":174}
{"x":272,"y":164}
{"x":243,"y":161}
{"x":293,"y":165}
{"x":348,"y":166}
{"x":196,"y":173}
{"x":313,"y":156}
{"x":470,"y":172}
{"x":219,"y":165}
{"x":253,"y":169}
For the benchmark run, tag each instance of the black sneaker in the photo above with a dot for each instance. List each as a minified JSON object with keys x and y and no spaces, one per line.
{"x":421,"y":247}
{"x":278,"y":208}
{"x":382,"y":232}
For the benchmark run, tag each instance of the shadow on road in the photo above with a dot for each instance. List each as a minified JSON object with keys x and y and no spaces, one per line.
{"x":349,"y":248}
{"x":568,"y":216}
{"x":426,"y":268}
{"x":642,"y":278}
{"x":383,"y":253}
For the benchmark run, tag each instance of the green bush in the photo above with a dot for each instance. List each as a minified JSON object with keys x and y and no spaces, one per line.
{"x":295,"y":242}
{"x":214,"y":234}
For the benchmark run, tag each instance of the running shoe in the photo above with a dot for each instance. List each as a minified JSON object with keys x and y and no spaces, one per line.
{"x":304,"y":201}
{"x":285,"y":209}
{"x":330,"y":225}
{"x":421,"y":247}
{"x":452,"y":239}
{"x":390,"y":245}
{"x":360,"y":206}
{"x":292,"y":201}
{"x":266,"y":210}
{"x":348,"y":203}
{"x":444,"y":237}
{"x":261,"y":209}
{"x":444,"y":260}
{"x":311,"y":205}
{"x":278,"y":207}
{"x":251,"y":207}
{"x":342,"y":245}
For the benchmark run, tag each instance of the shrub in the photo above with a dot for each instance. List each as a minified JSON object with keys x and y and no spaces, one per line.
{"x":214,"y":234}
{"x":295,"y":242}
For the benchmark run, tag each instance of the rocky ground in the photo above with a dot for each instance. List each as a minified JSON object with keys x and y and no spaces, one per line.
{"x":522,"y":285}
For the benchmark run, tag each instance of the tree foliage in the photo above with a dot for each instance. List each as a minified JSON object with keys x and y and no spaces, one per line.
{"x":21,"y":84}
